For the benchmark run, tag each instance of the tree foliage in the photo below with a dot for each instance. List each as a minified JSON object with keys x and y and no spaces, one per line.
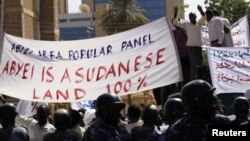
{"x":123,"y":15}
{"x":233,"y":10}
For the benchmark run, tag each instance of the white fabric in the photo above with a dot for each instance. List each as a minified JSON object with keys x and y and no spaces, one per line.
{"x":89,"y":116}
{"x":79,"y":130}
{"x":70,"y":71}
{"x":228,"y":40}
{"x":216,"y":29}
{"x":130,"y":126}
{"x":229,"y":68}
{"x":36,"y":132}
{"x":193,"y":31}
{"x":247,"y":94}
{"x":240,"y":32}
{"x":28,"y":108}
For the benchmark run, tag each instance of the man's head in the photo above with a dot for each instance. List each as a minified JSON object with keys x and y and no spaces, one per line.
{"x":108,"y":108}
{"x":42,"y":114}
{"x":192,"y":17}
{"x":216,"y":13}
{"x":61,"y":120}
{"x":134,"y":113}
{"x":150,"y":115}
{"x":198,"y":98}
{"x":209,"y":14}
{"x":7,"y":114}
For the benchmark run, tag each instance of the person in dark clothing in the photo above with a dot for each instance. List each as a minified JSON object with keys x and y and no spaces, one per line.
{"x":62,"y":122}
{"x":147,"y":132}
{"x":241,"y":110}
{"x":10,"y":132}
{"x":134,"y":117}
{"x":105,"y":127}
{"x":173,"y":110}
{"x":198,"y":99}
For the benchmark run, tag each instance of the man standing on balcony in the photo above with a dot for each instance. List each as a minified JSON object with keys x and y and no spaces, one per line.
{"x":193,"y":30}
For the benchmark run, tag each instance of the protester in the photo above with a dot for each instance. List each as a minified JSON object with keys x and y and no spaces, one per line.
{"x":215,"y":29}
{"x":37,"y":128}
{"x":62,"y":122}
{"x":241,"y":110}
{"x":11,"y":132}
{"x":134,"y":117}
{"x":193,"y":30}
{"x":180,"y":37}
{"x":105,"y":127}
{"x":76,"y":117}
{"x":150,"y":117}
{"x":228,"y":39}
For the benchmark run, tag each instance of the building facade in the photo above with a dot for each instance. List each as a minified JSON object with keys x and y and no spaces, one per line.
{"x":154,"y":9}
{"x":76,"y":26}
{"x":33,"y":19}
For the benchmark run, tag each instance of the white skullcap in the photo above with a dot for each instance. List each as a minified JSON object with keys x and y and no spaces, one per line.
{"x":247,"y":94}
{"x":89,"y":116}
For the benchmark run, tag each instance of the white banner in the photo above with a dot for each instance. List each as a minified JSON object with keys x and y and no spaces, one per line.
{"x":239,"y":31}
{"x":229,"y":68}
{"x":67,"y":71}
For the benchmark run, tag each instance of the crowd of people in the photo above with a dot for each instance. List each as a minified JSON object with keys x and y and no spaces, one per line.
{"x":185,"y":118}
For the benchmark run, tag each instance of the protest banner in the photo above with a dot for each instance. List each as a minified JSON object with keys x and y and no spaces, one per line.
{"x":239,"y":31}
{"x":229,"y":68}
{"x":69,"y":71}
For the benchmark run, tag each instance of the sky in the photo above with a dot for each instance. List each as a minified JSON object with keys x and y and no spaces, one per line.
{"x":193,"y":7}
{"x":74,"y":6}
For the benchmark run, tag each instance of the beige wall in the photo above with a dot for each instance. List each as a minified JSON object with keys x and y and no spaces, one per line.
{"x":100,"y":9}
{"x":13,"y":22}
{"x":90,"y":3}
{"x":21,"y":18}
{"x":49,"y":24}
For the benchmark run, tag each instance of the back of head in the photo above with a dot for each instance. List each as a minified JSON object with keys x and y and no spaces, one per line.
{"x":61,"y":119}
{"x":173,"y":110}
{"x":134,"y":113}
{"x":216,"y":12}
{"x":75,"y":116}
{"x":197,"y":97}
{"x":42,"y":113}
{"x":209,"y":14}
{"x":8,"y":114}
{"x":241,"y":106}
{"x":150,"y":115}
{"x":108,"y":106}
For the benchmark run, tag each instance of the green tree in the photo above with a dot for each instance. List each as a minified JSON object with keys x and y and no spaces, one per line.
{"x":123,"y":15}
{"x":233,"y":10}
